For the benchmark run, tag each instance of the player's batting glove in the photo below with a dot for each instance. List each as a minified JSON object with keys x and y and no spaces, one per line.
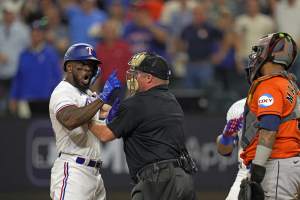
{"x":112,"y":84}
{"x":233,"y":126}
{"x":230,"y":130}
{"x":113,"y":111}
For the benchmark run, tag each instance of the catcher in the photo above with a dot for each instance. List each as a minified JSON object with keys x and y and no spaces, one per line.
{"x":271,"y":136}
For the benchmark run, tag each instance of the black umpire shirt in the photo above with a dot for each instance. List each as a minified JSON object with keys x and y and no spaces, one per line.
{"x":151,"y":125}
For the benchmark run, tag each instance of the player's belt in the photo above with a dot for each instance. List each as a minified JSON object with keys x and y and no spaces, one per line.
{"x":82,"y":161}
{"x":150,"y":169}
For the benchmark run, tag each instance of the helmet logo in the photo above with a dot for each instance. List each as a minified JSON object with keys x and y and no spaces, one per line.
{"x":90,"y":50}
{"x":137,"y":59}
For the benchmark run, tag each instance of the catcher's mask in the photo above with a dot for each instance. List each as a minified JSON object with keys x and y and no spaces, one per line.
{"x":277,"y":48}
{"x":83,"y":52}
{"x":149,"y":63}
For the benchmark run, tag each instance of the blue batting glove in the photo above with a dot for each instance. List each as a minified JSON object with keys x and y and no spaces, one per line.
{"x":114,"y":109}
{"x":233,"y":126}
{"x":226,"y":140}
{"x":111,"y":84}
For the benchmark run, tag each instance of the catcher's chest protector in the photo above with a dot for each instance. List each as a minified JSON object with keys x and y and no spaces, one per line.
{"x":250,"y":127}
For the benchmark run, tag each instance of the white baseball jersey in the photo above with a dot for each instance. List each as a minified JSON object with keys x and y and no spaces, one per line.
{"x":71,"y":180}
{"x":236,"y":111}
{"x":79,"y":141}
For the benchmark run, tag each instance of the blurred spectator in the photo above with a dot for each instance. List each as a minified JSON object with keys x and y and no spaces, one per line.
{"x":57,"y":33}
{"x":14,"y":37}
{"x":113,"y":52}
{"x":198,"y":39}
{"x":17,"y":4}
{"x":124,"y":3}
{"x":287,"y":15}
{"x":143,"y":34}
{"x":155,"y":8}
{"x":227,"y":71}
{"x":30,"y":10}
{"x":85,"y":20}
{"x":176,"y":15}
{"x":38,"y":74}
{"x":250,"y":27}
{"x":216,"y":8}
{"x":34,"y":9}
{"x":117,"y":10}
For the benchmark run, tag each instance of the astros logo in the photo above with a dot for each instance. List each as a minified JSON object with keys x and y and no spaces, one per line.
{"x":265,"y":100}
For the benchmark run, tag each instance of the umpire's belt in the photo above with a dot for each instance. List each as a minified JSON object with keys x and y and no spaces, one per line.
{"x":149,"y":169}
{"x":81,"y":160}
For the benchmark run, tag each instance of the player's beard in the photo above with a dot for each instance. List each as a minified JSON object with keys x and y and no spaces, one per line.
{"x":79,"y":84}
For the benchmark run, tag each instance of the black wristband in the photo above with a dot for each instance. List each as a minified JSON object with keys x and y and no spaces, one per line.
{"x":257,"y":173}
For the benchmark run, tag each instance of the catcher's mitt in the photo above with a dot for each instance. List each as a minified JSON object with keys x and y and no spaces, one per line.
{"x":250,"y":190}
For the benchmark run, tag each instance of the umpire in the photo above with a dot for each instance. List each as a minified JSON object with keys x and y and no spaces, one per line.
{"x":151,"y":125}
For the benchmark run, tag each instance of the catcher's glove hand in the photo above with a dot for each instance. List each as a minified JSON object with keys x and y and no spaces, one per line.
{"x":250,"y":190}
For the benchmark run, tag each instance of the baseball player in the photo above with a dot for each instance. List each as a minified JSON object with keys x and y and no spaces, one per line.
{"x":226,"y":143}
{"x":75,"y":173}
{"x":271,"y":135}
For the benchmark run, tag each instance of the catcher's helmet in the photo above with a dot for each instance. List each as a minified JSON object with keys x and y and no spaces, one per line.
{"x":278,"y":48}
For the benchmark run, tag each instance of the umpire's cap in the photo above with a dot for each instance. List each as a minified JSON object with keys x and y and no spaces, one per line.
{"x":80,"y":52}
{"x":151,"y":63}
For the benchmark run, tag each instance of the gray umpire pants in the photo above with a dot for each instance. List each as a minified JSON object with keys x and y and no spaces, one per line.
{"x":282,"y":179}
{"x":164,"y":183}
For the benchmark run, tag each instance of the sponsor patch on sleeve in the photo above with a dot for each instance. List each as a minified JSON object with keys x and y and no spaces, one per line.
{"x":265,"y":100}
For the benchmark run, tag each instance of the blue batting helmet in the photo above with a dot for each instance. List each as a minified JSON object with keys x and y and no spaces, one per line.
{"x":80,"y":52}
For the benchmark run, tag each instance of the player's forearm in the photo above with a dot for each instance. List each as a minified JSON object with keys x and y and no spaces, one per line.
{"x":72,"y":117}
{"x":224,"y":149}
{"x":266,"y":140}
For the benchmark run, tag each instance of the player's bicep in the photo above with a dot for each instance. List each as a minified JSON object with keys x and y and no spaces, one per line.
{"x":65,"y":116}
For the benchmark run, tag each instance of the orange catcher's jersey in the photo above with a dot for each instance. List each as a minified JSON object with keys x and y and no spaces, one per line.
{"x":275,"y":96}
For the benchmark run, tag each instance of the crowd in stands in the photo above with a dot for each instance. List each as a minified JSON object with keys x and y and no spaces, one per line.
{"x":207,"y":42}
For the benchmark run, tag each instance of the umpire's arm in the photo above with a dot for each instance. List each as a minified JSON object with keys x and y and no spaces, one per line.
{"x":122,"y":125}
{"x":101,"y":131}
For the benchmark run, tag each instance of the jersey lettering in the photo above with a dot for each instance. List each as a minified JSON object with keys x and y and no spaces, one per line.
{"x":290,"y":94}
